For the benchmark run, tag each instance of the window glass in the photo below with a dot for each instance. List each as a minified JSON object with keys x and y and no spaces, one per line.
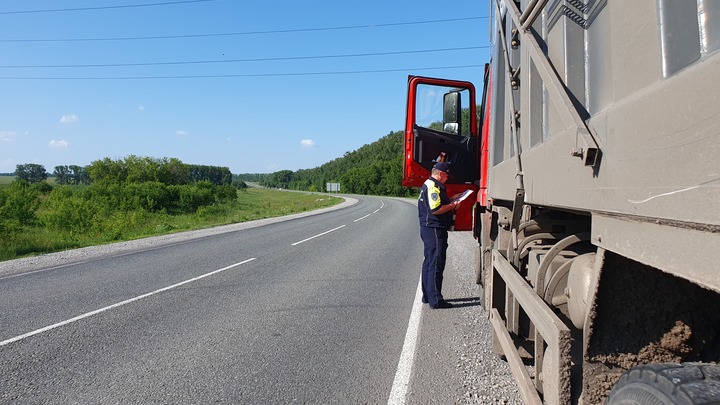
{"x":429,"y":108}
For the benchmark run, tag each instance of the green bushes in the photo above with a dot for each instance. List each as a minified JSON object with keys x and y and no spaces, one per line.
{"x":89,"y":209}
{"x":18,"y":203}
{"x":126,"y":199}
{"x":67,"y":210}
{"x":77,"y":216}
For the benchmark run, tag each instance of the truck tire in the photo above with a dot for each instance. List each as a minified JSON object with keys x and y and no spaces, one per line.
{"x":668,"y":384}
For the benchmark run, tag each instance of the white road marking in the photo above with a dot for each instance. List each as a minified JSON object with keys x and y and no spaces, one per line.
{"x":97,"y":311}
{"x":318,"y":235}
{"x":407,"y":356}
{"x":382,"y":204}
{"x":360,"y":219}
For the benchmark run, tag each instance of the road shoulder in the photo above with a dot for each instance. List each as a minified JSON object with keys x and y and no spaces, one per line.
{"x":454,"y":360}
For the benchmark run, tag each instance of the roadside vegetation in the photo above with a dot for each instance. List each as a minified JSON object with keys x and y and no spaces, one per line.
{"x":135,"y":197}
{"x":115,"y":200}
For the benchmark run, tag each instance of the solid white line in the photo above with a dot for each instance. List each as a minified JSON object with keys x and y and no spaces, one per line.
{"x":407,"y":356}
{"x":320,"y":234}
{"x":97,"y":311}
{"x":360,"y":219}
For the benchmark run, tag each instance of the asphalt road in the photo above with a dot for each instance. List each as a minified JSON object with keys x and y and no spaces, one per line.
{"x":309,"y":310}
{"x":314,"y":308}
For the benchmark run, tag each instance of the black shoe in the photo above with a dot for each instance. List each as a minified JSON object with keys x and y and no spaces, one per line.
{"x":424,"y":300}
{"x":442,"y":305}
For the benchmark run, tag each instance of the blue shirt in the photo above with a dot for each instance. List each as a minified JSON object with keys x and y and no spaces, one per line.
{"x":432,"y":197}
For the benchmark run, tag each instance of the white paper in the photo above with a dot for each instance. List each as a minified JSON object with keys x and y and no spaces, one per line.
{"x":464,"y":195}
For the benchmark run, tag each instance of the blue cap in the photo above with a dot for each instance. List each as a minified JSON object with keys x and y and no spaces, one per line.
{"x":442,"y":166}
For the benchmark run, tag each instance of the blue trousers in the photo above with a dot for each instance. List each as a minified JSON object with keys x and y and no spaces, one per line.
{"x":435,"y":242}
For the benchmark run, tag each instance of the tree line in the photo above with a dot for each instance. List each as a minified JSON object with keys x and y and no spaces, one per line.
{"x":374,"y":169}
{"x":130,"y":169}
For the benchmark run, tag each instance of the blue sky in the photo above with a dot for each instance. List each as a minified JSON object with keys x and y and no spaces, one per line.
{"x":285,"y":86}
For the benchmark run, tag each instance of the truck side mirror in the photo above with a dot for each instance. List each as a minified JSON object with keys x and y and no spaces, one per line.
{"x":451,"y":112}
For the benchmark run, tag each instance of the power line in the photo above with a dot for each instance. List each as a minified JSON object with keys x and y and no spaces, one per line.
{"x":222,"y":34}
{"x":242,"y":60}
{"x":241,"y":75}
{"x":166,"y":3}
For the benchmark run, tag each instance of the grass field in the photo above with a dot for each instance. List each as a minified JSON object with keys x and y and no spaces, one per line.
{"x":6,"y":180}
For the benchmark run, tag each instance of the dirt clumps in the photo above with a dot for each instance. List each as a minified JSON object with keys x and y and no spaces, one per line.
{"x":643,"y":315}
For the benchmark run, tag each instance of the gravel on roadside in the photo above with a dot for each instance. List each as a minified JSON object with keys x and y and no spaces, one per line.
{"x":486,"y":377}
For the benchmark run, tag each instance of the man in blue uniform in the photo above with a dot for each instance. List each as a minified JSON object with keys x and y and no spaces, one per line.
{"x":435,"y":210}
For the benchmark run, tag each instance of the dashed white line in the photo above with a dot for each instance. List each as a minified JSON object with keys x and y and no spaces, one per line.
{"x":360,"y":219}
{"x":318,"y":235}
{"x":97,"y":311}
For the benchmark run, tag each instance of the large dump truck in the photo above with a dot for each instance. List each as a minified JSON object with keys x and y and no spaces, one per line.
{"x":594,"y":152}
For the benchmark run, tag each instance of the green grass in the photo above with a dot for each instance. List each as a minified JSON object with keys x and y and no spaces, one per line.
{"x":252,"y":204}
{"x":6,"y":180}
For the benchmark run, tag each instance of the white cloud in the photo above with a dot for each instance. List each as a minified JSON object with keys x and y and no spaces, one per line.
{"x":141,"y":108}
{"x":68,"y":119}
{"x":63,"y":144}
{"x":182,"y":133}
{"x":307,"y":143}
{"x":7,"y":136}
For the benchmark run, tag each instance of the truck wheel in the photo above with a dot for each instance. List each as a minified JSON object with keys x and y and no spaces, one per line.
{"x":668,"y":384}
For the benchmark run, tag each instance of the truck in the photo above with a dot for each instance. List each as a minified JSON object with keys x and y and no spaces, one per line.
{"x":593,"y":152}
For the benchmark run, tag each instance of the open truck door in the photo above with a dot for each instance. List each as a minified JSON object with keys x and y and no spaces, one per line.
{"x":441,"y":125}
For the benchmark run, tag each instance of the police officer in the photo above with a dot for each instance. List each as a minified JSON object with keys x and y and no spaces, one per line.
{"x":435,"y":210}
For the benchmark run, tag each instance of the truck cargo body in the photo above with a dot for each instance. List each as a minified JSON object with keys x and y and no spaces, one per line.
{"x":598,"y":209}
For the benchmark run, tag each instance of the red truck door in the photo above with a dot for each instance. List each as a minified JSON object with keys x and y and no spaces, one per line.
{"x":441,"y":125}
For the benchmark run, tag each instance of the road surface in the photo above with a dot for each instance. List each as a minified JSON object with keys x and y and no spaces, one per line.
{"x":318,"y":308}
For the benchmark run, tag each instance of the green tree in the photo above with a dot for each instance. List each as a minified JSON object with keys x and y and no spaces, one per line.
{"x":78,"y":175}
{"x":280,"y":179}
{"x":61,"y":174}
{"x":107,"y":170}
{"x":31,"y":172}
{"x":173,"y":171}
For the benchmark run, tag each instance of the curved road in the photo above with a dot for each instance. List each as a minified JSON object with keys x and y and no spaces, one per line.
{"x":308,"y":310}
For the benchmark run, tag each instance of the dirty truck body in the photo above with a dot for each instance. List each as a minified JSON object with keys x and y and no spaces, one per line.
{"x":594,"y":152}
